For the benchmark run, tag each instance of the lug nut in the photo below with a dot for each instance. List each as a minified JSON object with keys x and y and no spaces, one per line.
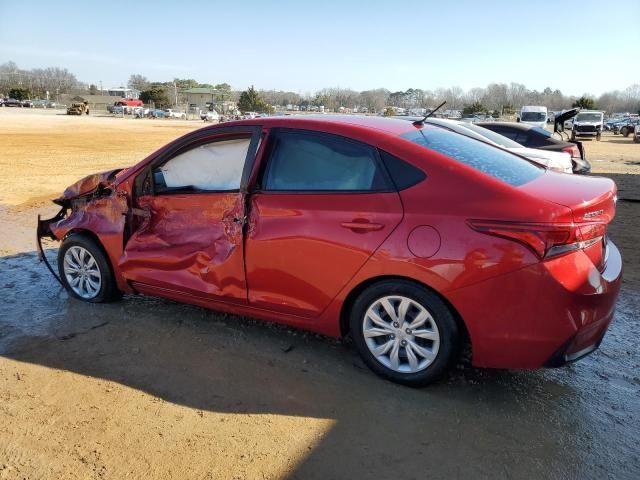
{"x":403,"y":343}
{"x":396,"y":324}
{"x":408,"y":330}
{"x":393,"y":337}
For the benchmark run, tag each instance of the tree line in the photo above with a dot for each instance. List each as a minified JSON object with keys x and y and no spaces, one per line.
{"x":495,"y":97}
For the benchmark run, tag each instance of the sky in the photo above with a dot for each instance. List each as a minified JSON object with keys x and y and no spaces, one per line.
{"x":301,"y":46}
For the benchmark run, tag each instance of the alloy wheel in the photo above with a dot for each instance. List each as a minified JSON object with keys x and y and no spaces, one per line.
{"x":82,"y":272}
{"x":401,"y":334}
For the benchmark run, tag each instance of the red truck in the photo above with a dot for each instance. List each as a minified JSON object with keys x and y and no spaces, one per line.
{"x":129,"y":102}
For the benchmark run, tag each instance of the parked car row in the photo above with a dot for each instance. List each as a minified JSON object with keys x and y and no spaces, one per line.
{"x":625,"y":127}
{"x":529,"y":141}
{"x":37,"y":103}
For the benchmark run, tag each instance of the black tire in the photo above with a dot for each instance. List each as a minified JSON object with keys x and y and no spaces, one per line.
{"x":573,"y":136}
{"x":624,"y":132}
{"x":108,"y":291}
{"x":598,"y":137}
{"x":449,"y":346}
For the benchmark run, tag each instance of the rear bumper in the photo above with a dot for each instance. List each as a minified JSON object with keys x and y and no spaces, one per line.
{"x":546,"y":314}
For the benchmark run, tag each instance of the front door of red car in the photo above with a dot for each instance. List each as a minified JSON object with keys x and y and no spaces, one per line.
{"x":322,"y":206}
{"x":187,"y":224}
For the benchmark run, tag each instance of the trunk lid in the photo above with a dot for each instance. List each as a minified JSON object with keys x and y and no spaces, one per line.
{"x":592,"y":201}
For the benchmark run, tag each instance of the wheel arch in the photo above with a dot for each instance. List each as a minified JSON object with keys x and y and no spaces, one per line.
{"x":358,"y":289}
{"x":88,"y":233}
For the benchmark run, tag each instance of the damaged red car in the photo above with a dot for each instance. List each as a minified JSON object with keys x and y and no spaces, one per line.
{"x":414,"y":240}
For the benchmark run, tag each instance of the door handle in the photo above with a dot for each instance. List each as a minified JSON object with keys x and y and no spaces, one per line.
{"x":362,"y":226}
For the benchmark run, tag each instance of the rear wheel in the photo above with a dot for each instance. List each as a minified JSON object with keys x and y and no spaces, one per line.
{"x":404,"y":332}
{"x":85,"y":270}
{"x":624,"y":132}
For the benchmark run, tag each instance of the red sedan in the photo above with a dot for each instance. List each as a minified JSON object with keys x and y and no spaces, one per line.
{"x":412,"y":239}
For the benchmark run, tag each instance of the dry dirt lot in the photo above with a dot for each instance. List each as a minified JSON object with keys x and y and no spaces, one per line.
{"x":146,"y":388}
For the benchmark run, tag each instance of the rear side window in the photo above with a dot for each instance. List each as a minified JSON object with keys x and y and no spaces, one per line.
{"x":492,"y":161}
{"x":310,"y":161}
{"x":403,"y":174}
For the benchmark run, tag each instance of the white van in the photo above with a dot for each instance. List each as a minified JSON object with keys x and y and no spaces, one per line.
{"x":533,"y":115}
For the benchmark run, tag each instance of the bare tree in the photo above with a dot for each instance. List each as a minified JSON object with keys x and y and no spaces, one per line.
{"x":139,"y":82}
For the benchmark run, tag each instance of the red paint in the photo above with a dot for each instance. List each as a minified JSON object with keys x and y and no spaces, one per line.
{"x":301,"y":255}
{"x":424,"y":241}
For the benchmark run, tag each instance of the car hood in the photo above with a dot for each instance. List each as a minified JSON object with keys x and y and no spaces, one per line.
{"x":563,"y":117}
{"x":88,"y":184}
{"x":558,"y":122}
{"x":587,"y":122}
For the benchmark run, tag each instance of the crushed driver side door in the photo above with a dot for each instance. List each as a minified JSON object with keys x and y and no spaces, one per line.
{"x":188,"y":217}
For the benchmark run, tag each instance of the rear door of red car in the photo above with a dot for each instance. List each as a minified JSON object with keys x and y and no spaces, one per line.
{"x":323,"y":204}
{"x":186,"y":224}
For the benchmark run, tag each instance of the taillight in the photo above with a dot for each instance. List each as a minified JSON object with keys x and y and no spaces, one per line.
{"x":544,"y":239}
{"x":573,"y":151}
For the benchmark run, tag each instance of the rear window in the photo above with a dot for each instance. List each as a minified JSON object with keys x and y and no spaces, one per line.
{"x":542,"y":131}
{"x":492,"y":161}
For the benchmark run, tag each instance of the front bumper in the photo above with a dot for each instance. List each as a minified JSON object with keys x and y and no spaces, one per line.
{"x":43,"y":229}
{"x":546,"y":314}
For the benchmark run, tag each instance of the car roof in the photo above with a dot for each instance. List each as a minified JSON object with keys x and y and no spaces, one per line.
{"x":389,"y":125}
{"x":519,"y":126}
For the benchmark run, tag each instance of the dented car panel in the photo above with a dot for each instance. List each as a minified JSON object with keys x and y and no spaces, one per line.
{"x":89,"y":184}
{"x":190,"y":243}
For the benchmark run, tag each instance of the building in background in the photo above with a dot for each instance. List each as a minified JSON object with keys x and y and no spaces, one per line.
{"x":203,"y":98}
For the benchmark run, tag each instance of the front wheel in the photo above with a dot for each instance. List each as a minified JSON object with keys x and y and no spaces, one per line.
{"x":404,"y":332}
{"x":624,"y":132}
{"x":85,"y":270}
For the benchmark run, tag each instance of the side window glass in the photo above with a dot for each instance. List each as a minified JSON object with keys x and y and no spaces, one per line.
{"x":215,"y":166}
{"x":522,"y":138}
{"x":507,"y":133}
{"x":302,"y":161}
{"x":403,"y":174}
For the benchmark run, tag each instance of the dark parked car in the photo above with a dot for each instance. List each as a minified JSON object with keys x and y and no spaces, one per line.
{"x":536,"y":137}
{"x":626,"y":128}
{"x":11,"y":102}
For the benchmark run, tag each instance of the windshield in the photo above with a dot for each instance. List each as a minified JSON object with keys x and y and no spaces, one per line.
{"x":589,"y":117}
{"x":493,"y":136}
{"x":492,"y":161}
{"x":533,"y":117}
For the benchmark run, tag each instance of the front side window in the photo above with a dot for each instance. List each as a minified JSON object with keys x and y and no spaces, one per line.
{"x":309,"y":161}
{"x":490,"y":160}
{"x":215,"y":166}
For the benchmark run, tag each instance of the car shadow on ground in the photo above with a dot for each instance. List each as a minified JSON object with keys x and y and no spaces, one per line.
{"x":476,"y":423}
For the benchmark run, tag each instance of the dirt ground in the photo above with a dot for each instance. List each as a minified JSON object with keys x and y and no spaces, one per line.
{"x":147,"y":388}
